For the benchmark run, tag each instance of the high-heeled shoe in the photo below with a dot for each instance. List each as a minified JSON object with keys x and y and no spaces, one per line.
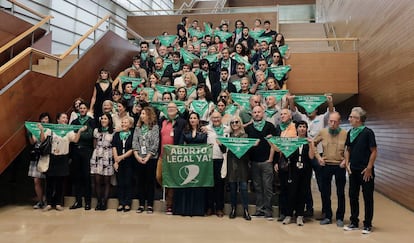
{"x":98,"y":205}
{"x":246,"y":215}
{"x":232,"y":214}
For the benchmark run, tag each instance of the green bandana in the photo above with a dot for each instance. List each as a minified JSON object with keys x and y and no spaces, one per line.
{"x":190,"y":91}
{"x":124,"y":135}
{"x":196,"y":71}
{"x":219,"y":130}
{"x":288,"y":145}
{"x":222,"y":35}
{"x":135,"y":82}
{"x":194,"y":32}
{"x":283,"y":49}
{"x":334,"y":131}
{"x":238,"y":30}
{"x":127,"y":96}
{"x":207,"y":29}
{"x":267,"y":39}
{"x":230,"y":109}
{"x":280,"y":71}
{"x":310,"y":102}
{"x":265,"y":54}
{"x":166,"y":40}
{"x":224,"y":85}
{"x":176,"y":66}
{"x":59,"y":129}
{"x":104,"y":81}
{"x":144,"y":129}
{"x":187,"y":56}
{"x":199,"y":106}
{"x":204,"y":73}
{"x":259,"y":125}
{"x":83,"y":119}
{"x":355,"y":132}
{"x":163,"y":106}
{"x":284,"y":125}
{"x":241,"y":99}
{"x":239,"y":58}
{"x":278,"y":94}
{"x":164,"y":88}
{"x":255,"y":34}
{"x":144,"y":56}
{"x":237,"y":84}
{"x":160,"y":72}
{"x":270,"y":113}
{"x":225,"y":63}
{"x":238,"y":146}
{"x":104,"y":129}
{"x":212,"y":57}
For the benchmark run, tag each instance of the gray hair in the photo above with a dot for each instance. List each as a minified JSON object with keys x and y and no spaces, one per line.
{"x":361,"y":112}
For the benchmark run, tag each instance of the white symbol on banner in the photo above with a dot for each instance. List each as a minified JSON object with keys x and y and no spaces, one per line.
{"x":188,"y":173}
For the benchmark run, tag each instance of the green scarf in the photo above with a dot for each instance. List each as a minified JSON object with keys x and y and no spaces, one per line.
{"x":144,"y":129}
{"x":104,"y":129}
{"x":105,"y":81}
{"x":83,"y":119}
{"x":238,"y":30}
{"x":219,"y":130}
{"x":160,"y":72}
{"x":176,"y":66}
{"x":259,"y":125}
{"x":224,"y":85}
{"x":127,"y":96}
{"x":265,"y":54}
{"x":355,"y":132}
{"x":334,"y":131}
{"x":173,"y":119}
{"x":269,"y":113}
{"x":225,"y":63}
{"x":205,"y":73}
{"x":284,"y":125}
{"x":124,"y":135}
{"x":144,"y":56}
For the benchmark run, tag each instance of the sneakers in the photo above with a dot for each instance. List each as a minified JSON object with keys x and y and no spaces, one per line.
{"x":287,"y":220}
{"x":269,"y":217}
{"x":325,"y":221}
{"x":281,"y":218}
{"x":169,"y":211}
{"x":340,"y":223}
{"x":140,"y":209}
{"x":366,"y":230}
{"x":59,"y":208}
{"x":38,"y":205}
{"x":351,"y":227}
{"x":150,"y":210}
{"x":47,"y":208}
{"x":299,"y":220}
{"x":258,"y":215}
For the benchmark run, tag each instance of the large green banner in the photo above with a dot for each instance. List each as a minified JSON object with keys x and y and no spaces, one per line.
{"x":310,"y":102}
{"x":278,"y":94}
{"x":280,"y":71}
{"x":287,"y":145}
{"x":187,"y":166}
{"x":59,"y":129}
{"x":134,"y":81}
{"x":241,"y":99}
{"x":163,"y":106}
{"x":166,"y":40}
{"x":239,"y":146}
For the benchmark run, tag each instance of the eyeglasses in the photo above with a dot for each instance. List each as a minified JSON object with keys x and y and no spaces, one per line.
{"x":234,"y":122}
{"x":223,"y":96}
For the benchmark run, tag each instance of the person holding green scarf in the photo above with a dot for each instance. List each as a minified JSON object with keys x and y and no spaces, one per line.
{"x":175,"y":68}
{"x":263,"y":53}
{"x":261,"y":157}
{"x":226,"y":62}
{"x":360,"y":155}
{"x":238,"y":31}
{"x":332,"y":160}
{"x":207,"y":74}
{"x":124,"y":163}
{"x":171,"y":130}
{"x":145,"y":145}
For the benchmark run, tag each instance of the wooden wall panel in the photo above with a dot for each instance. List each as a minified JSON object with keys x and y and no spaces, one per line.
{"x":386,"y":84}
{"x":36,"y":92}
{"x":318,"y":73}
{"x":151,"y":26}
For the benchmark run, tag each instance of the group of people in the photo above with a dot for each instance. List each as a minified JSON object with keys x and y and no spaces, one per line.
{"x":195,"y":90}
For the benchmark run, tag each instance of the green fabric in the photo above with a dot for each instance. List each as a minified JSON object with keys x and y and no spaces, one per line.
{"x":219,"y":130}
{"x":190,"y":91}
{"x":186,"y":166}
{"x":127,"y":96}
{"x":167,"y":62}
{"x":355,"y":132}
{"x":256,"y":34}
{"x":204,"y":73}
{"x":239,"y":30}
{"x":150,"y":92}
{"x":268,"y":39}
{"x":310,"y":102}
{"x":166,"y":40}
{"x":144,"y":129}
{"x":59,"y":129}
{"x":163,"y":106}
{"x":194,"y":32}
{"x":270,"y":113}
{"x":238,"y":146}
{"x":124,"y":135}
{"x":283,"y":49}
{"x":164,"y":88}
{"x":278,"y":94}
{"x":288,"y":145}
{"x":207,"y":29}
{"x":144,"y":56}
{"x":237,"y":84}
{"x":105,"y":81}
{"x":212,"y":58}
{"x":225,"y":64}
{"x":240,"y":59}
{"x":187,"y":56}
{"x":83,"y":119}
{"x":259,"y":125}
{"x":224,"y":85}
{"x":104,"y":129}
{"x":280,"y":71}
{"x":176,"y":66}
{"x":241,"y":99}
{"x":230,"y":109}
{"x":223,"y":35}
{"x":284,"y":125}
{"x":196,"y":43}
{"x":134,"y":81}
{"x":199,"y":106}
{"x":160,"y":72}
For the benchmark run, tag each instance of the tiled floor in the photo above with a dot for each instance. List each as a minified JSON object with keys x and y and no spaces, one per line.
{"x":392,"y":223}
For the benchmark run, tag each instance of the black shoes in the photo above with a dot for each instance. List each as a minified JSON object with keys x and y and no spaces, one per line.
{"x":246,"y":215}
{"x":88,"y":206}
{"x":232,"y":214}
{"x":101,"y":205}
{"x":76,"y":205}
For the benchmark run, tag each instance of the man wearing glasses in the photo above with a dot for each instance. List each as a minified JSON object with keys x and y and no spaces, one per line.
{"x":360,"y":155}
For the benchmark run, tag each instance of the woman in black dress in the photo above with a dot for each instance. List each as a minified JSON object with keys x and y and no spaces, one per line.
{"x":101,"y":92}
{"x":191,"y":201}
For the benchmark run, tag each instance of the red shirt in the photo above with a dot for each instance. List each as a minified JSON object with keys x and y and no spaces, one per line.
{"x":167,"y":134}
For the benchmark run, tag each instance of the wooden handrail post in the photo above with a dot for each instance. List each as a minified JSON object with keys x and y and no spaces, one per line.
{"x":57,"y":67}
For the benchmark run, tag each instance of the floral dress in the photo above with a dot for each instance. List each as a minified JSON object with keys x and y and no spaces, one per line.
{"x":102,"y":159}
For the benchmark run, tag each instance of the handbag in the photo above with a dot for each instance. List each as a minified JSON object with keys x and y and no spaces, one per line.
{"x":283,"y":163}
{"x":43,"y":163}
{"x":45,"y":147}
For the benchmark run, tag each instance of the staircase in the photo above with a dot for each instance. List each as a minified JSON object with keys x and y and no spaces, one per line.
{"x":305,"y":30}
{"x":48,"y":66}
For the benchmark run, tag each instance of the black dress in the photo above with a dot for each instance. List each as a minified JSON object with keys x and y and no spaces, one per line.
{"x":101,"y":96}
{"x":190,"y":201}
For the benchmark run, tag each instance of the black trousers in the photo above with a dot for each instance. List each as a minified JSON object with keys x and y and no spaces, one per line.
{"x":328,"y":171}
{"x":146,"y":182}
{"x":54,"y":190}
{"x":215,"y":195}
{"x":124,"y":182}
{"x":356,"y":182}
{"x":81,"y":173}
{"x":296,"y":190}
